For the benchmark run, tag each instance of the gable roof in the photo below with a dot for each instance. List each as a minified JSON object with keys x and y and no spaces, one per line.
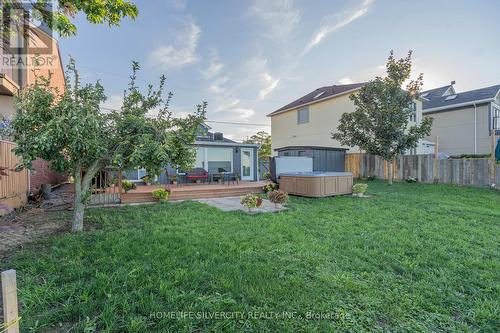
{"x":319,"y":94}
{"x":482,"y":95}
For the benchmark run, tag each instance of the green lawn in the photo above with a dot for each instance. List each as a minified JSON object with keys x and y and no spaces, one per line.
{"x":413,"y":258}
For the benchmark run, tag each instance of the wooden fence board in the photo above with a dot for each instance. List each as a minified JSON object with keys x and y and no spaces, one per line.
{"x":472,"y":172}
{"x":14,"y":186}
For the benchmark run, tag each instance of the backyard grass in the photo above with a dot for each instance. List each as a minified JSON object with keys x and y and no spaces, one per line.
{"x":412,"y":258}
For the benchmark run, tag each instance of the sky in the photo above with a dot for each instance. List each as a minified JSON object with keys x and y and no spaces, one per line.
{"x":249,"y":58}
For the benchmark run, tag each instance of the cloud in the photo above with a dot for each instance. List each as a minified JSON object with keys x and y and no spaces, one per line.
{"x":215,"y":66}
{"x":346,"y":80}
{"x":216,"y":86}
{"x":182,"y":53}
{"x":344,"y":20}
{"x":280,"y":17}
{"x":269,"y":84}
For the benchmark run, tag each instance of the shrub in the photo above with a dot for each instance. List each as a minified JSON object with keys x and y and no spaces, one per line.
{"x":161,"y":194}
{"x":411,"y":180}
{"x":359,"y":189}
{"x":251,"y":201}
{"x":128,"y":185}
{"x":266,"y":176}
{"x":270,"y":187}
{"x":371,"y":178}
{"x":278,"y":197}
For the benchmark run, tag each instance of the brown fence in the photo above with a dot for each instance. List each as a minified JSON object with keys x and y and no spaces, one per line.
{"x":473,"y":171}
{"x":14,"y":186}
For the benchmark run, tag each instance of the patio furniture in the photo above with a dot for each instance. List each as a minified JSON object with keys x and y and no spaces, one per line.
{"x":197,"y":174}
{"x":217,"y":177}
{"x":231,"y":177}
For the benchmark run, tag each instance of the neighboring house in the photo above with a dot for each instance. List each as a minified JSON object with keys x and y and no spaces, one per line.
{"x":305,"y":126}
{"x":13,"y":78}
{"x":216,"y":154}
{"x":463,"y":121}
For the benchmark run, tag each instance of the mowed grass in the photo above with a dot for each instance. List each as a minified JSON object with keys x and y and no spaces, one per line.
{"x":413,"y":258}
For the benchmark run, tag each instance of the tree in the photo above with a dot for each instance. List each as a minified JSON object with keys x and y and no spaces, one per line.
{"x":380,"y":124}
{"x":70,"y":130}
{"x":264,"y":140}
{"x":110,"y":12}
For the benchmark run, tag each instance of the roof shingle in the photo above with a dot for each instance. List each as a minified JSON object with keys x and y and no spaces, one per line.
{"x":463,"y":97}
{"x":323,"y":92}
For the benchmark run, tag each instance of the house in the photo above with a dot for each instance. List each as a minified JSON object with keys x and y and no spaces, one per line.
{"x":304,"y":127}
{"x":216,"y":154}
{"x":17,"y":70}
{"x":463,"y":121}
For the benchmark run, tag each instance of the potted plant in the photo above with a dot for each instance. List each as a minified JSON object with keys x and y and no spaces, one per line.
{"x":278,"y":198}
{"x":359,"y":189}
{"x":161,"y":194}
{"x":128,"y":185}
{"x":251,"y":201}
{"x":270,"y":187}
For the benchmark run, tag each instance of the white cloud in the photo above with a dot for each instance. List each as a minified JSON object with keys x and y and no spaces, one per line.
{"x":269,"y":84}
{"x":346,"y":80}
{"x":215,"y":66}
{"x":182,"y":53}
{"x":280,"y":17}
{"x":243,"y":113}
{"x":344,"y":20}
{"x":216,"y":86}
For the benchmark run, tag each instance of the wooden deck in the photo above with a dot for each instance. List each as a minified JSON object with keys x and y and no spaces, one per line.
{"x":143,"y":193}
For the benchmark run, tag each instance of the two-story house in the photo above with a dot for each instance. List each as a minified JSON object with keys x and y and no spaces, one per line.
{"x":305,"y":126}
{"x":464,"y":121}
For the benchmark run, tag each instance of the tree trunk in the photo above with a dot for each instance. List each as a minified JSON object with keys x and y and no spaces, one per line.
{"x":78,"y":205}
{"x":82,"y":185}
{"x":391,"y":172}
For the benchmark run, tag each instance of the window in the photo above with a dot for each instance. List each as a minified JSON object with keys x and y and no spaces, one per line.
{"x":219,"y":160}
{"x":214,"y":160}
{"x":303,"y":116}
{"x":496,"y":118}
{"x":413,"y":114}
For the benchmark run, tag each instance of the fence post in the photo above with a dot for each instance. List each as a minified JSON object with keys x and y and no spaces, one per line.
{"x":9,"y":293}
{"x":493,"y":160}
{"x":436,"y":161}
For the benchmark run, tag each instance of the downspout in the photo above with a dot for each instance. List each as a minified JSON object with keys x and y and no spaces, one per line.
{"x":475,"y":128}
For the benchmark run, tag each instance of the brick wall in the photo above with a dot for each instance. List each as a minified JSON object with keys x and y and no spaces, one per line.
{"x":43,"y":174}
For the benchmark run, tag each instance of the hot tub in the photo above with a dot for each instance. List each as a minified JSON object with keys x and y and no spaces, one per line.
{"x":316,"y":184}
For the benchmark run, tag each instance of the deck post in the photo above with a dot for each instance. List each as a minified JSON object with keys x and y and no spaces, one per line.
{"x":9,"y":293}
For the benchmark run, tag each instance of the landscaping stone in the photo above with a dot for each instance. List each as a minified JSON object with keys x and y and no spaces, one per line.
{"x":233,"y":203}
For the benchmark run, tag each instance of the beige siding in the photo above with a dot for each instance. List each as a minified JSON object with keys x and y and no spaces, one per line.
{"x":323,"y":119}
{"x":455,"y":130}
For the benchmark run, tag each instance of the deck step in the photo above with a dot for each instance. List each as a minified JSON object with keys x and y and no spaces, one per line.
{"x":194,"y":193}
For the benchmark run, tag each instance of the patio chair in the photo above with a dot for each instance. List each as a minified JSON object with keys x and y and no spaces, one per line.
{"x":231,"y":177}
{"x":197,"y":174}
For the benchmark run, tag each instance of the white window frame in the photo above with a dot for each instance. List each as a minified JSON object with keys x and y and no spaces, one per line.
{"x":205,"y":160}
{"x":308,"y":115}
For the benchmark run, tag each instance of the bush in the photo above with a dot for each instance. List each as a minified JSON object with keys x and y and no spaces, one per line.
{"x":270,"y":187}
{"x":371,"y":178}
{"x":161,"y":194}
{"x":266,"y":176}
{"x":278,"y":197}
{"x":128,"y":185}
{"x":360,"y":189}
{"x":411,"y":180}
{"x":251,"y":201}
